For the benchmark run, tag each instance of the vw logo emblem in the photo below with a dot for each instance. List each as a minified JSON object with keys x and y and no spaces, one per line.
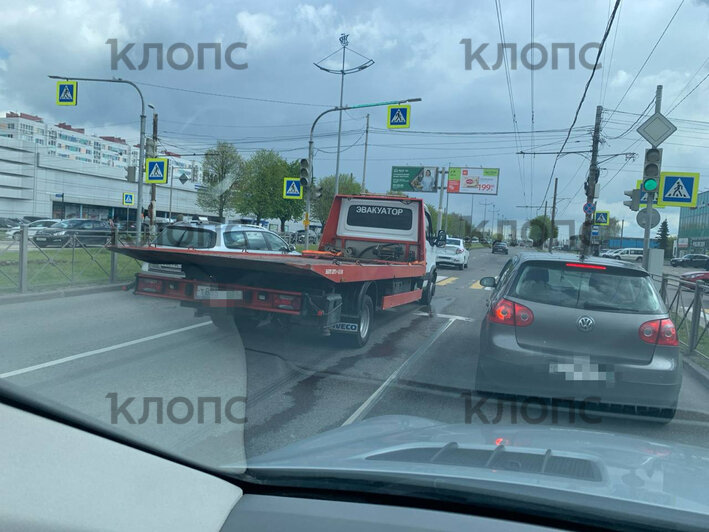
{"x":585,"y":323}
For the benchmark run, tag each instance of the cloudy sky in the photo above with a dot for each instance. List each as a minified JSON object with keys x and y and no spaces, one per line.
{"x":418,"y":53}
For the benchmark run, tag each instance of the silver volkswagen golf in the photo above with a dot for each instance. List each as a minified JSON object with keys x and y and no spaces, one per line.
{"x":592,"y":330}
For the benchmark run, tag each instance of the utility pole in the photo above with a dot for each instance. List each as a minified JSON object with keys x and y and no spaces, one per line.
{"x":443,"y":172}
{"x":553,"y":212}
{"x":485,"y":214}
{"x":591,"y":184}
{"x":622,"y":227}
{"x":650,"y":195}
{"x":364,"y":168}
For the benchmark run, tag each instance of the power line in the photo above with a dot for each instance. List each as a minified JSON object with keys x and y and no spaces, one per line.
{"x":510,"y":93}
{"x":583,"y":96}
{"x":232,"y":96}
{"x":648,"y":57}
{"x":642,"y":115}
{"x":690,"y":92}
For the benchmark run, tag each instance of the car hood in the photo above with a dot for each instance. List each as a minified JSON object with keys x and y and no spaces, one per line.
{"x":578,"y":461}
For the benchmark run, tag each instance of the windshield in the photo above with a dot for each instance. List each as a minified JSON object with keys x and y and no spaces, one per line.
{"x":603,"y":289}
{"x":298,"y":235}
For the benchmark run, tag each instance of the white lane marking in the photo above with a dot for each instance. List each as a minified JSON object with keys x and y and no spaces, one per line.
{"x":371,"y":401}
{"x":446,"y":316}
{"x":100,"y":351}
{"x":440,"y":278}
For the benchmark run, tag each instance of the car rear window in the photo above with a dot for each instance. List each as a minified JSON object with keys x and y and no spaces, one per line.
{"x":450,"y":247}
{"x":606,"y":289}
{"x":187,"y":237}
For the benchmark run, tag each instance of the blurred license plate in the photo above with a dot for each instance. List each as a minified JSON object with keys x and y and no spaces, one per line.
{"x":40,"y":238}
{"x":209,"y":292}
{"x":579,"y":371}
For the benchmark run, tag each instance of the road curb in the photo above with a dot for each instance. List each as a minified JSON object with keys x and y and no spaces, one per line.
{"x":54,"y":294}
{"x":697,"y":371}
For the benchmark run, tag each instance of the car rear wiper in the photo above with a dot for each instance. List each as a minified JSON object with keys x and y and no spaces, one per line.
{"x":600,"y":306}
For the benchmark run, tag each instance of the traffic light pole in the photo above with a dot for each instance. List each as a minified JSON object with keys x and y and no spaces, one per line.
{"x":141,"y":168}
{"x":650,"y":195}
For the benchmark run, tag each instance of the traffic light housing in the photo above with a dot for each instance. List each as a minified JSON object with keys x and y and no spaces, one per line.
{"x":305,"y":177}
{"x":317,"y":192}
{"x":634,"y":202}
{"x":651,"y":170}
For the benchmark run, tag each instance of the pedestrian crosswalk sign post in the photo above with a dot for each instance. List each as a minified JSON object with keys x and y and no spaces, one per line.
{"x":679,"y":189}
{"x":128,"y":198}
{"x":156,"y":170}
{"x":292,"y":188}
{"x":601,"y":218}
{"x":398,"y":116}
{"x":66,"y":92}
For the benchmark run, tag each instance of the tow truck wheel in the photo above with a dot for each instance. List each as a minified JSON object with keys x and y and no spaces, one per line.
{"x":429,"y":291}
{"x":364,"y":325}
{"x":223,"y":320}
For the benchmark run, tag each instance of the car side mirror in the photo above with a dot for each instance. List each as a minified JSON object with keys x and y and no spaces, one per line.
{"x":291,"y":247}
{"x":488,"y":282}
{"x":441,"y":238}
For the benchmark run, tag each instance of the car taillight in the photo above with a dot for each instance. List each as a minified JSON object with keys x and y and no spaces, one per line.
{"x":660,"y":332}
{"x":458,"y":251}
{"x":509,"y":313}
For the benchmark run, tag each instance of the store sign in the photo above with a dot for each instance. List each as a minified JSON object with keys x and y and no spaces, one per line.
{"x":683,"y":243}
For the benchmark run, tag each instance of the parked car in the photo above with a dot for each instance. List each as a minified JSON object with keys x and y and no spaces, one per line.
{"x":630,"y":254}
{"x":74,"y":232}
{"x":453,"y":254}
{"x":500,"y":247}
{"x":562,"y":328}
{"x":474,"y":240}
{"x":313,"y":237}
{"x":692,"y":260}
{"x":609,"y":253}
{"x":32,"y":228}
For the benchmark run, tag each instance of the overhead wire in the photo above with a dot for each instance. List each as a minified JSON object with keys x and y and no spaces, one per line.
{"x":652,"y":51}
{"x":583,"y":96}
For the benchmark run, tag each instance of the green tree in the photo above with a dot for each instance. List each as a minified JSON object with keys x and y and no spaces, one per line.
{"x":321,"y":206}
{"x":261,"y":188}
{"x":222,"y":170}
{"x":663,"y":235}
{"x":540,"y":230}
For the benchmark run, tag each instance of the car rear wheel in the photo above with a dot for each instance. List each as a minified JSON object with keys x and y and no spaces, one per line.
{"x":364,"y":322}
{"x":639,"y":259}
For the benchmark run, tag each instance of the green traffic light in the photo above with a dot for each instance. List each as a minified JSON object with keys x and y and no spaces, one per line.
{"x":650,"y":185}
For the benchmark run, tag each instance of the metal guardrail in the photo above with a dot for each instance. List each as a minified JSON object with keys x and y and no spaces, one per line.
{"x":684,"y":300}
{"x":77,"y":257}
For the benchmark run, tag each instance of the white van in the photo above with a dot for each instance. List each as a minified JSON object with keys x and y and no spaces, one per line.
{"x":630,"y":254}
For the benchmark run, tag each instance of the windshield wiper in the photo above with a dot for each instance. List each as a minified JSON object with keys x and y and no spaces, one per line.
{"x":600,"y":306}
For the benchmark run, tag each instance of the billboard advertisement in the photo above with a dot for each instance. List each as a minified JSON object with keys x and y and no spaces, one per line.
{"x":413,"y":179}
{"x":473,"y":180}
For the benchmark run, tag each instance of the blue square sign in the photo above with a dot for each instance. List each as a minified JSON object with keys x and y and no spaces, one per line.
{"x":156,"y":170}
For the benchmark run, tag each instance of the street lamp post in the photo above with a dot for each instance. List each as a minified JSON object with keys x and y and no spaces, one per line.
{"x":141,"y":168}
{"x":342,"y":72}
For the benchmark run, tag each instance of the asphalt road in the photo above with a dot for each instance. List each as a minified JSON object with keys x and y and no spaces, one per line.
{"x":287,"y":383}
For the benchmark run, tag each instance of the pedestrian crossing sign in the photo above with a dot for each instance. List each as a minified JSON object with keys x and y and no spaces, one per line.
{"x":292,"y":188}
{"x":601,"y":218}
{"x":679,"y":189}
{"x":156,"y":170}
{"x":128,"y":199}
{"x":398,"y":116}
{"x":66,"y":92}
